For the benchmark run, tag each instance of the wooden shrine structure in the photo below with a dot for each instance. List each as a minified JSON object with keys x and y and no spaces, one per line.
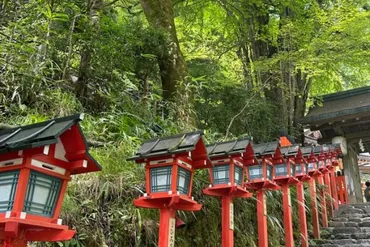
{"x":344,"y":116}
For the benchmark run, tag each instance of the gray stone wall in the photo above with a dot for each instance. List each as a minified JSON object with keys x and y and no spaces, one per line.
{"x":352,"y":174}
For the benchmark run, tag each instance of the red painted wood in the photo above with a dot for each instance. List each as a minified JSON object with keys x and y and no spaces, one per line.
{"x":334,"y":192}
{"x":59,"y":203}
{"x":232,"y":173}
{"x":227,"y":232}
{"x":329,"y":201}
{"x":174,"y":178}
{"x":49,"y":235}
{"x":14,"y":243}
{"x":302,"y":215}
{"x":147,"y":178}
{"x":20,"y":194}
{"x":262,"y":219}
{"x":191,"y":184}
{"x":342,"y":189}
{"x":324,"y":215}
{"x":314,"y":210}
{"x":165,"y":215}
{"x":45,"y":171}
{"x":288,"y":224}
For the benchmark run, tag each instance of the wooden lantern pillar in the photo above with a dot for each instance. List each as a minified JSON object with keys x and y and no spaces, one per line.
{"x":227,"y":181}
{"x":170,"y":163}
{"x":36,"y":164}
{"x":312,"y":174}
{"x":283,"y":172}
{"x":329,"y":168}
{"x":295,"y":153}
{"x":336,"y":151}
{"x":258,"y":160}
{"x":322,"y":179}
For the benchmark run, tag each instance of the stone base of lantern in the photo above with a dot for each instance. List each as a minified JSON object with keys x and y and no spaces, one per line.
{"x":165,"y":200}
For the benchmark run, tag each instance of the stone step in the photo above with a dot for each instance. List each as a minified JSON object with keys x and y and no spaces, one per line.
{"x":349,"y":230}
{"x":341,"y":243}
{"x":353,"y":211}
{"x":340,"y":219}
{"x":360,"y":235}
{"x":363,"y":241}
{"x":350,"y":227}
{"x":346,"y":224}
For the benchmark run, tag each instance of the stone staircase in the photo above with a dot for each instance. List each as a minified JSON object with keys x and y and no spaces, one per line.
{"x":350,"y":227}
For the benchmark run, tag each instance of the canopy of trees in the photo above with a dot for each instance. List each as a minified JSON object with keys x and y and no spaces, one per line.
{"x":156,"y":67}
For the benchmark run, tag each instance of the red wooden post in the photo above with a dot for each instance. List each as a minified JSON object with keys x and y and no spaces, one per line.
{"x":14,"y":243}
{"x":262,"y":219}
{"x":342,"y":189}
{"x":167,"y":221}
{"x":314,"y":210}
{"x":324,"y":215}
{"x":302,"y":215}
{"x":227,"y":221}
{"x":288,"y":224}
{"x":328,"y":192}
{"x":334,"y":192}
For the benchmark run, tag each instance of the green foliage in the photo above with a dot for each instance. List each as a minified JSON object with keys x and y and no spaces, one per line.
{"x":237,"y":53}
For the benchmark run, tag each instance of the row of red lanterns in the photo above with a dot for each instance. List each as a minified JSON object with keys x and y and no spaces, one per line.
{"x":235,"y":168}
{"x":37,"y":161}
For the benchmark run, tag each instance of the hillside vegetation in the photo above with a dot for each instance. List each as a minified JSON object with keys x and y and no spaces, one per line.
{"x":141,"y":69}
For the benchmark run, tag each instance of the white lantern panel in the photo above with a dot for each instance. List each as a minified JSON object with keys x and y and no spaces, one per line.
{"x":160,"y":179}
{"x":8,"y":186}
{"x":42,"y":194}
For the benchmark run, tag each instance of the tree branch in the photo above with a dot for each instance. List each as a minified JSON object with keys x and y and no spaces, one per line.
{"x":243,"y":109}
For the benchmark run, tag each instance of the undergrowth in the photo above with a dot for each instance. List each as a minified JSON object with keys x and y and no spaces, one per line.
{"x":99,"y":206}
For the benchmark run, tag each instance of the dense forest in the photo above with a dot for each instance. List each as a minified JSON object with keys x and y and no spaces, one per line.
{"x":140,"y":69}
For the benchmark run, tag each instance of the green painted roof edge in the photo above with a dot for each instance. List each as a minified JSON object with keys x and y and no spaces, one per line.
{"x":345,"y":94}
{"x":331,"y":115}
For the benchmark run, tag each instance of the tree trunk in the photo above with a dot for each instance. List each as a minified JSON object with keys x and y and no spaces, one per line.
{"x":85,"y":61}
{"x":173,"y":68}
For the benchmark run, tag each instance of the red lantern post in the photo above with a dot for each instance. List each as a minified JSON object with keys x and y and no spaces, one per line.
{"x":318,"y":150}
{"x":335,"y":151}
{"x":284,"y":170}
{"x":313,"y":172}
{"x":170,"y":163}
{"x":295,"y":155}
{"x":227,"y":181}
{"x":258,"y":160}
{"x":36,"y":164}
{"x":326,"y":153}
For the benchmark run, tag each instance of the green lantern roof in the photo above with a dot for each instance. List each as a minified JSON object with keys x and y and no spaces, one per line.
{"x":176,"y":144}
{"x":227,"y":148}
{"x":47,"y":133}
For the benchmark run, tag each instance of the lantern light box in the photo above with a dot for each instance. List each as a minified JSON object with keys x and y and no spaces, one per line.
{"x":319,"y":153}
{"x":336,"y":152}
{"x":299,"y":164}
{"x":170,"y":163}
{"x":284,"y":164}
{"x":228,"y":168}
{"x":258,"y":159}
{"x":227,"y":181}
{"x":36,"y":162}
